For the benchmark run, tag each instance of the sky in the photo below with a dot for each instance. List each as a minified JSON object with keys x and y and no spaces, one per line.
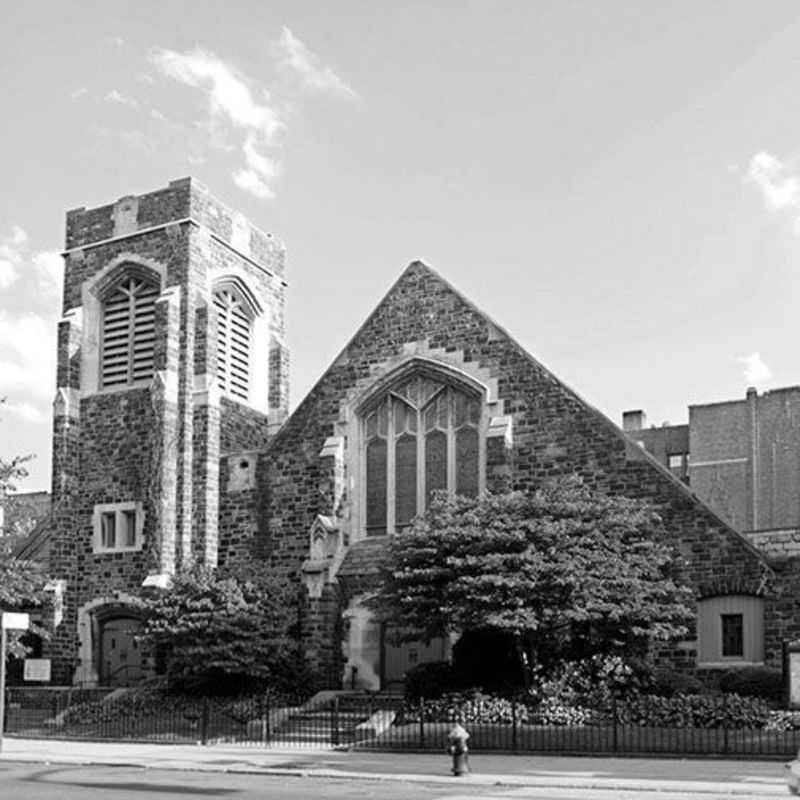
{"x":616,"y":183}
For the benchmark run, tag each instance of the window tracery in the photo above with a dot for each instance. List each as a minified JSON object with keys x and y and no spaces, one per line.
{"x":420,"y":436}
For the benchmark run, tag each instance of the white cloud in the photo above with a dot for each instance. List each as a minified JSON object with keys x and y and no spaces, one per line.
{"x":248,"y":181}
{"x":258,"y":161}
{"x":26,"y":411}
{"x":18,"y":236}
{"x":778,"y":182}
{"x":296,"y":56}
{"x":27,"y":355}
{"x":233,"y":104}
{"x":79,"y":93}
{"x":11,"y":255}
{"x":228,"y":92}
{"x":117,"y":40}
{"x":48,"y":267}
{"x":122,"y":99}
{"x":755,"y":370}
{"x":8,"y":274}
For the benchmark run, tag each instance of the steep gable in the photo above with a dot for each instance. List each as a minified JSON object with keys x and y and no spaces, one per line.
{"x":555,"y":431}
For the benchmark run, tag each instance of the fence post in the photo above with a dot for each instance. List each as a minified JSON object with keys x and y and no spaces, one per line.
{"x":514,"y":724}
{"x":421,"y":723}
{"x":335,"y":721}
{"x":204,"y":722}
{"x":267,"y":732}
{"x":725,"y":744}
{"x":614,"y":742}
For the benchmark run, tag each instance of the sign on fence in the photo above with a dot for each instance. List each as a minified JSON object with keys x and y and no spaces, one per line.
{"x":16,"y":622}
{"x":37,"y":669}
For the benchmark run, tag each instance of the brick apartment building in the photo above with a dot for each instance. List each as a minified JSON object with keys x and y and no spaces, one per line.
{"x":742,"y":458}
{"x":172,"y":444}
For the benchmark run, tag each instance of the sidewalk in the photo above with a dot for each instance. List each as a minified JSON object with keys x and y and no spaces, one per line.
{"x":759,"y":778}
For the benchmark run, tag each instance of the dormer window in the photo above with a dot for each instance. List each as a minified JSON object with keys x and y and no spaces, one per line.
{"x":128,"y":332}
{"x":234,"y":343}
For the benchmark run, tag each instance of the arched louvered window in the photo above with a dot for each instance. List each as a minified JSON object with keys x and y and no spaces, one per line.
{"x":420,"y":437}
{"x":234,"y":343}
{"x":128,"y":332}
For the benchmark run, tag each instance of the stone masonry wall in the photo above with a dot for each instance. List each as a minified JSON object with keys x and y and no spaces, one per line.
{"x":139,"y":442}
{"x":554,"y":433}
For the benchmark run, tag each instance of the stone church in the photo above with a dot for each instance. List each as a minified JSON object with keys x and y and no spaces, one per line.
{"x":172,"y":443}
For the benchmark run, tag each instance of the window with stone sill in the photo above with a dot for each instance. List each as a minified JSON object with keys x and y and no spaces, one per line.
{"x":128,"y":332}
{"x":421,"y":436}
{"x":234,"y":342}
{"x":730,"y":630}
{"x":117,"y":527}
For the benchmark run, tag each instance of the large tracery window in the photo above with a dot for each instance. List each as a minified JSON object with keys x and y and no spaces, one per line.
{"x":234,"y":343}
{"x":128,"y":335}
{"x":420,"y":437}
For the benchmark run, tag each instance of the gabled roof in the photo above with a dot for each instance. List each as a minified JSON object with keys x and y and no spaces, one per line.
{"x":496,"y":331}
{"x":35,"y":546}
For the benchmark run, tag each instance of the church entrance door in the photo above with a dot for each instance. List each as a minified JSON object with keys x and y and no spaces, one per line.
{"x":397,"y":659}
{"x":120,"y":655}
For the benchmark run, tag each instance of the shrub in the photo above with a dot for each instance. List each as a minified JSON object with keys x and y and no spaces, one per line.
{"x":667,"y":682}
{"x":764,"y":682}
{"x":431,"y":680}
{"x":783,"y":721}
{"x":553,"y":712}
{"x":694,"y":711}
{"x":226,"y":629}
{"x":592,"y":681}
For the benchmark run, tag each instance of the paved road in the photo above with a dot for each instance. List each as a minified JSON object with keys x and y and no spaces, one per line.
{"x":62,"y":782}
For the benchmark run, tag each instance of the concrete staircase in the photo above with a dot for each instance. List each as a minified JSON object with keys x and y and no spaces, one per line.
{"x":338,"y":718}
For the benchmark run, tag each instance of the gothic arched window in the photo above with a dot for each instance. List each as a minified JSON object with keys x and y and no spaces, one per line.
{"x":128,"y":334}
{"x":234,"y":342}
{"x":419,"y":437}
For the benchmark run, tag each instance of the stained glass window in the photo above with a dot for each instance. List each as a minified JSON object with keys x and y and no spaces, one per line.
{"x":420,"y":437}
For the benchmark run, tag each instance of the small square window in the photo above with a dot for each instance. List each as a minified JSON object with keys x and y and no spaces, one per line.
{"x":118,"y":527}
{"x":676,"y":461}
{"x":108,"y":530}
{"x":732,"y":635}
{"x":128,"y":528}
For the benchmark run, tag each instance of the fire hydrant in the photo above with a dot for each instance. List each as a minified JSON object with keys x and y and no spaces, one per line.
{"x":459,"y":750}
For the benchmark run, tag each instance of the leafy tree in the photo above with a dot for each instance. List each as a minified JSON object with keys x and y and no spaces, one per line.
{"x":224,"y":629}
{"x":21,"y":582}
{"x":567,"y":572}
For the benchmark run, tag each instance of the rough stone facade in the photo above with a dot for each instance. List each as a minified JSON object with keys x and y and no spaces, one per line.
{"x":219,"y":480}
{"x":152,"y":446}
{"x":545,"y":430}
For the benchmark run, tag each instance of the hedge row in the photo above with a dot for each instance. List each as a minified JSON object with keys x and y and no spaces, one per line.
{"x":642,"y":710}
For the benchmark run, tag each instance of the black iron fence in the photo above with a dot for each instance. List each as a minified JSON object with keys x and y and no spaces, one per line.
{"x":623,"y":726}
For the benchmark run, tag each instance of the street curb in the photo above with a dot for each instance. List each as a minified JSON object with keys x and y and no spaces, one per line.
{"x":473,"y":779}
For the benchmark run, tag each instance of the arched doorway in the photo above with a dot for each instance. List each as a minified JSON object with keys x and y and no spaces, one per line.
{"x":120,"y":655}
{"x":397,"y":658}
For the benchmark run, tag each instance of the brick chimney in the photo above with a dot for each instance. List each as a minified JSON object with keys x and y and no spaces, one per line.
{"x":633,"y":420}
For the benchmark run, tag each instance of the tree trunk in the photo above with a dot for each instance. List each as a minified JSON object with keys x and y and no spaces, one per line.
{"x":526,"y":653}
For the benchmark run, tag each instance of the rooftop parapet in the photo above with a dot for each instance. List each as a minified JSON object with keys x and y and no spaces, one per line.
{"x":184,"y":200}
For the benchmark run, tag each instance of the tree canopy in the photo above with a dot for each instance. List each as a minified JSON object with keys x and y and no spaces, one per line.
{"x":223,"y":629}
{"x":21,"y":582}
{"x":569,"y":572}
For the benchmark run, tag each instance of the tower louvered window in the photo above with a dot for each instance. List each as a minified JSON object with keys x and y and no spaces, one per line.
{"x":129,"y":332}
{"x":422,"y":436}
{"x":234,"y":334}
